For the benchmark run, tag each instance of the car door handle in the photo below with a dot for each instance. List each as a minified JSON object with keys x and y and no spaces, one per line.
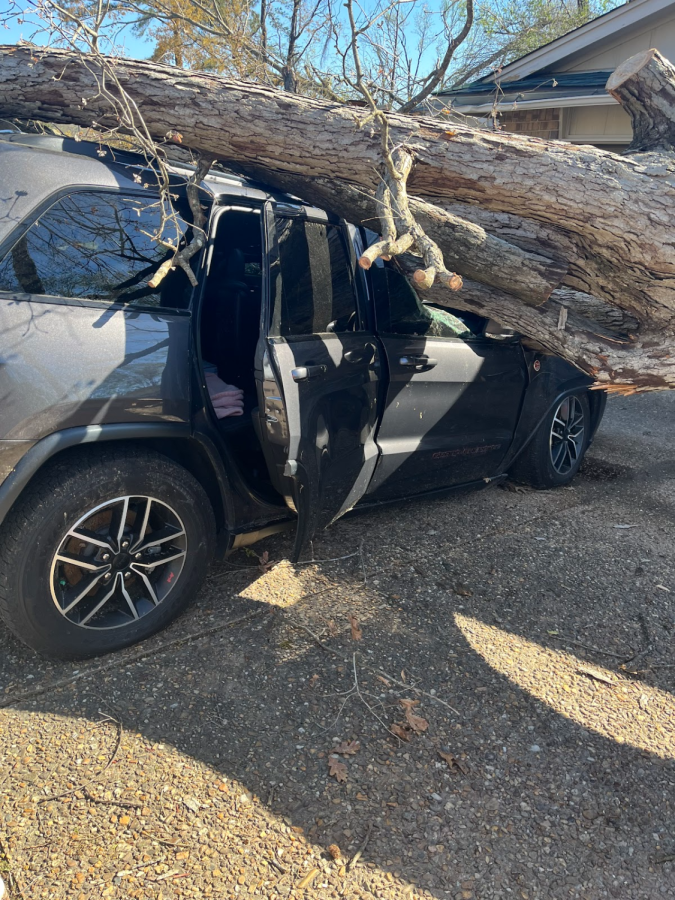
{"x":418,"y":362}
{"x":365,"y":354}
{"x":304,"y":373}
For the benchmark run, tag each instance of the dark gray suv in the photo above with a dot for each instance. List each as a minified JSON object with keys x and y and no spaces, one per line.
{"x":146,"y":423}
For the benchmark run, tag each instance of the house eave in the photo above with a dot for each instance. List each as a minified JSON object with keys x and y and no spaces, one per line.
{"x":606,"y":26}
{"x":481,"y":109}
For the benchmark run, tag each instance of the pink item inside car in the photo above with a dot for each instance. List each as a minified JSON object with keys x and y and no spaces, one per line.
{"x":227,"y":399}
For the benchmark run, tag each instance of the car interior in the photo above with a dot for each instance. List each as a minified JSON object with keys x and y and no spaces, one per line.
{"x":229,"y":329}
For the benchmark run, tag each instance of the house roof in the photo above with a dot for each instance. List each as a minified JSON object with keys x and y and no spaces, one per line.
{"x":603,"y":28}
{"x":532,"y":88}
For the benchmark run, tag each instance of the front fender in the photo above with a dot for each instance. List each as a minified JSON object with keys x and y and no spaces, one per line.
{"x":555,"y":380}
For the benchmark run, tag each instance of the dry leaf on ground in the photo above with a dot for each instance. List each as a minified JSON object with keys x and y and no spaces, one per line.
{"x":264,"y":561}
{"x":348,"y":748}
{"x":337,"y":769}
{"x":357,"y":634}
{"x":453,"y":761}
{"x":401,"y":731}
{"x":417,"y":723}
{"x":596,"y":675}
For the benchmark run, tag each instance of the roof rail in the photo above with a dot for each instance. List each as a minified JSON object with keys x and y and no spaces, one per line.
{"x":107,"y":154}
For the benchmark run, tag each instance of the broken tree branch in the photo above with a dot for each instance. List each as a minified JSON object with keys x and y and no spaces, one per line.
{"x":645,"y":86}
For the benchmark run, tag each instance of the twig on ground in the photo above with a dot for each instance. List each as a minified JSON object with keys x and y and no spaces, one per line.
{"x":82,"y":787}
{"x":151,"y":862}
{"x":374,"y":671}
{"x":275,"y":865}
{"x":315,"y":638}
{"x":410,"y":687}
{"x":175,"y":873}
{"x":310,"y":562}
{"x":133,"y":657}
{"x":363,"y":562}
{"x":14,"y":880}
{"x":562,"y":638}
{"x":125,"y":804}
{"x":357,"y":690}
{"x":357,"y":856}
{"x":336,"y":720}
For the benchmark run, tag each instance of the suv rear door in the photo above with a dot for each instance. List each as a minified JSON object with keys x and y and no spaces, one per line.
{"x":317,"y":369}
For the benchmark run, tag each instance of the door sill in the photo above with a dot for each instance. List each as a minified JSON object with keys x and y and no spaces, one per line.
{"x":369,"y":505}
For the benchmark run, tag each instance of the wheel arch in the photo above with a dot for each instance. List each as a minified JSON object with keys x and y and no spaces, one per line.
{"x":175,"y":441}
{"x":556,"y":381}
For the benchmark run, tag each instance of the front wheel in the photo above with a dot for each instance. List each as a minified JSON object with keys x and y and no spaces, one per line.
{"x":102,"y":551}
{"x":554,"y":455}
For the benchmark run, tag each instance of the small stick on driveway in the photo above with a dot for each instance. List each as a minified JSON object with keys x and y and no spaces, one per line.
{"x":357,"y":856}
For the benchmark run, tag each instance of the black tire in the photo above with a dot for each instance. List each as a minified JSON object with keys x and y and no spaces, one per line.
{"x":536,"y":465}
{"x":37,"y":584}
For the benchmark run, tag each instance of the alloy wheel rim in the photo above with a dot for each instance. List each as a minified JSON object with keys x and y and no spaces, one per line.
{"x":567,"y":435}
{"x":118,"y":562}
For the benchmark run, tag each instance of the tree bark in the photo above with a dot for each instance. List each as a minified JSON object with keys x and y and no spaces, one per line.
{"x":645,"y":86}
{"x":531,"y":224}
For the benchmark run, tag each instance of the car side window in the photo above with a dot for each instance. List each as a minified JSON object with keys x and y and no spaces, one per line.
{"x":313,"y":289}
{"x":399,"y":309}
{"x":99,"y":246}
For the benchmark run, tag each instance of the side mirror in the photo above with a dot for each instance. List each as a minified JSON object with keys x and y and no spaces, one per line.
{"x":499,"y":332}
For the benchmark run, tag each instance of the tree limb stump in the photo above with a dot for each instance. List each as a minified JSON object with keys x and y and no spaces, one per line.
{"x":645,"y":86}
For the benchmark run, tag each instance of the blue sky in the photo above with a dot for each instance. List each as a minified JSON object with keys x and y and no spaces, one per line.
{"x":11,"y":32}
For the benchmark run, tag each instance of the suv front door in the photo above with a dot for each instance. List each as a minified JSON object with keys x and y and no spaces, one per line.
{"x":317,"y":369}
{"x":453,"y":397}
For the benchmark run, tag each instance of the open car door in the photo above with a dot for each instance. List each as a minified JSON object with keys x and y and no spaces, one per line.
{"x":317,"y":369}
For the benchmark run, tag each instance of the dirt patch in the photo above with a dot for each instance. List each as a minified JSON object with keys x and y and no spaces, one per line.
{"x":601,"y":470}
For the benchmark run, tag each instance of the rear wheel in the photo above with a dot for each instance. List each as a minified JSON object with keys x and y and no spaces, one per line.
{"x":554,"y":455}
{"x":103,"y":551}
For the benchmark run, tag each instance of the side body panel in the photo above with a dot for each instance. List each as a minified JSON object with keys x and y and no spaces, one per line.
{"x":69,"y":364}
{"x":449,"y":419}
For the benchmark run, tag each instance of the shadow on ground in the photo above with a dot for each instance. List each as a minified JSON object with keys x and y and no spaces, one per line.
{"x":535,"y":629}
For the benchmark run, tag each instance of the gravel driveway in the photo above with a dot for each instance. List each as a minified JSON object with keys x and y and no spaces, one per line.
{"x":476,"y":693}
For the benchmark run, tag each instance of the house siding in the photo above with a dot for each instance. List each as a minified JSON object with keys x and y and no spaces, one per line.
{"x":610,"y":54}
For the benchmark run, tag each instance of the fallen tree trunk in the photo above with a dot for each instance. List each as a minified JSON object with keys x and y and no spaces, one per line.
{"x":549,"y":219}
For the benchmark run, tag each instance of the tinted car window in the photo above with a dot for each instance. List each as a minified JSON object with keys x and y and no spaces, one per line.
{"x":313,"y":290}
{"x":399,"y":309}
{"x":98,"y":246}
